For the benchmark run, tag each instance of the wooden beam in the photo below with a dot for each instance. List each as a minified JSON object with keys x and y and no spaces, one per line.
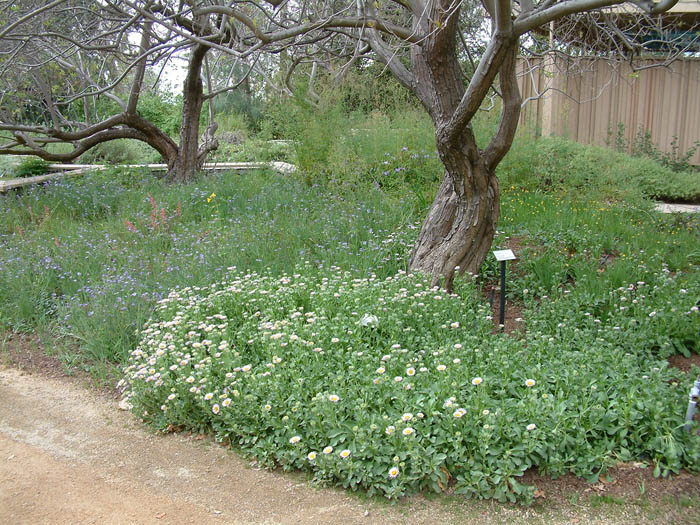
{"x":70,"y":170}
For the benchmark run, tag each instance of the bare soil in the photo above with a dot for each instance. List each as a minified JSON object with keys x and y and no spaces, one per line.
{"x":69,"y":455}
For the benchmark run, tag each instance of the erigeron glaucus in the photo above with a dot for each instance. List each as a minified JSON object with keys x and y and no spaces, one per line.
{"x":294,"y":439}
{"x":531,"y":427}
{"x":393,"y":472}
{"x":407,"y":431}
{"x":328,"y":450}
{"x":529,"y":382}
{"x":441,"y":368}
{"x":333,"y":398}
{"x":407,"y":416}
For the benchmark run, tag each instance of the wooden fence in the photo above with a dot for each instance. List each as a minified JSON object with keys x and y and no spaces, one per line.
{"x":586,"y":100}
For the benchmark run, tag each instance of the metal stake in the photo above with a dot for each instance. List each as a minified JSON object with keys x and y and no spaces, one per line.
{"x":502,"y":256}
{"x":502,"y":317}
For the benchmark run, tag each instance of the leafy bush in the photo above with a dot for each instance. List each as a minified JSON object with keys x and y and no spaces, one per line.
{"x":561,"y":162}
{"x":393,"y":387}
{"x":30,"y":167}
{"x":643,"y":146}
{"x":239,"y":107}
{"x":163,"y":110}
{"x":122,"y":151}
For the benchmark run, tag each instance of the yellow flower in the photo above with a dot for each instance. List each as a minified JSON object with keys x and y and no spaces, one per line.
{"x":211,"y":197}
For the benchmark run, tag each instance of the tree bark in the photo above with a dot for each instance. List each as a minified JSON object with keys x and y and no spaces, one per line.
{"x":459,"y":229}
{"x":188,"y":162}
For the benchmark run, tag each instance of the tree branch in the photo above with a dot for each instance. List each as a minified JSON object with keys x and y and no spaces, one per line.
{"x":510,"y":112}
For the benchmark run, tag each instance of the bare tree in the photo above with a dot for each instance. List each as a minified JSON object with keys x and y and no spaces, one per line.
{"x":420,"y":42}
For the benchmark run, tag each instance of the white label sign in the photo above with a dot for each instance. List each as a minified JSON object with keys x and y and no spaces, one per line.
{"x":504,"y":255}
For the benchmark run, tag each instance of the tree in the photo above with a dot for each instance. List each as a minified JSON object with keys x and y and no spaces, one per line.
{"x":419,"y":41}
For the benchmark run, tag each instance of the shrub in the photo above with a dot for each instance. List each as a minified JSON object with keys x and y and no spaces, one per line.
{"x":29,"y":167}
{"x":561,"y":162}
{"x":122,"y":151}
{"x":394,"y":387}
{"x":643,"y":146}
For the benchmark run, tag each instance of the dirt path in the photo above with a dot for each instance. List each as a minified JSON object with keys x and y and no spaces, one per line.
{"x":69,"y":455}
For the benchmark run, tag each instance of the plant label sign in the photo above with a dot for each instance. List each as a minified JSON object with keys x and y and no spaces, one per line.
{"x":504,"y":255}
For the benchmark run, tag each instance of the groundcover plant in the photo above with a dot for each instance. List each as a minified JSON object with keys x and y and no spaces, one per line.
{"x":394,"y":387}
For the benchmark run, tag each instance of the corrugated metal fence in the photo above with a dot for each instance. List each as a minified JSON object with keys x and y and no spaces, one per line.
{"x":585,"y":99}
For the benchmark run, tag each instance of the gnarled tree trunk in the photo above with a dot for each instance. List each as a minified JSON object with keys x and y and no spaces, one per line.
{"x":459,"y":229}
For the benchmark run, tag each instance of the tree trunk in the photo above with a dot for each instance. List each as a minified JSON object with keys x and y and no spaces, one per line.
{"x":188,"y":162}
{"x":459,"y":229}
